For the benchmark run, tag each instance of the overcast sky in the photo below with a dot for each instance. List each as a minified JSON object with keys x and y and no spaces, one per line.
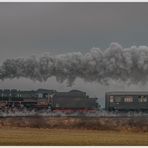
{"x":36,"y":28}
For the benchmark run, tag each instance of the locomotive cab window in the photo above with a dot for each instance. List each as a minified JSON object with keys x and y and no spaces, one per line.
{"x":45,"y":95}
{"x":40,"y":95}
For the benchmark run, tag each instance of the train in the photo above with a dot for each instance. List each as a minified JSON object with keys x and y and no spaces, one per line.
{"x":71,"y":101}
{"x":43,"y":99}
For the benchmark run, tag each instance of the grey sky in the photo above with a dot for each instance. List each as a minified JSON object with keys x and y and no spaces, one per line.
{"x":35,"y":28}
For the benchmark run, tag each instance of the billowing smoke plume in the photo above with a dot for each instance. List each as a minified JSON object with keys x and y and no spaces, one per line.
{"x":115,"y":63}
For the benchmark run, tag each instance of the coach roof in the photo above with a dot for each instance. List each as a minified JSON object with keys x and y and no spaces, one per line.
{"x":127,"y":93}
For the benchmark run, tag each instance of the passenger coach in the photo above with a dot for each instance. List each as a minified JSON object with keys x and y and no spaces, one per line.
{"x":126,"y":101}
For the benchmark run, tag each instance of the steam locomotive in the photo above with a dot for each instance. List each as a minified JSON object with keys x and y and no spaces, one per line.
{"x":43,"y":99}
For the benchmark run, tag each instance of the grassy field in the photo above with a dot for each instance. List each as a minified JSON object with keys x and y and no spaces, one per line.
{"x":40,"y":136}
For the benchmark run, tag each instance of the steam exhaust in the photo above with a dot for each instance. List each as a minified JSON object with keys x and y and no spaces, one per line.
{"x":114,"y":63}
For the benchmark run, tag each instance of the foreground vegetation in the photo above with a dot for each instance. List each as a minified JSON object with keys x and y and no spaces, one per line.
{"x":40,"y":136}
{"x":135,"y":124}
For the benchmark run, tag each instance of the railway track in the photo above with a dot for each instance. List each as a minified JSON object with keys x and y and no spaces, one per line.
{"x":71,"y":115}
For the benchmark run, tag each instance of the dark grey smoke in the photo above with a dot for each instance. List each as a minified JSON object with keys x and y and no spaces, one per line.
{"x":114,"y":63}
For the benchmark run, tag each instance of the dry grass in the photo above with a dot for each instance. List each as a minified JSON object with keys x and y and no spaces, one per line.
{"x":37,"y":136}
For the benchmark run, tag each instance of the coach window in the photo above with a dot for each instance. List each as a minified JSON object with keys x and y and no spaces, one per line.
{"x":142,"y":99}
{"x":128,"y":99}
{"x":118,"y":99}
{"x":111,"y":99}
{"x":145,"y":99}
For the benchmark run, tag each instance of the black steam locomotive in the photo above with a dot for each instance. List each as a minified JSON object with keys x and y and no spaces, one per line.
{"x":43,"y":99}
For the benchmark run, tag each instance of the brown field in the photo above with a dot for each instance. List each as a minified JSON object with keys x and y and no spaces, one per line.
{"x":73,"y":131}
{"x":36,"y":136}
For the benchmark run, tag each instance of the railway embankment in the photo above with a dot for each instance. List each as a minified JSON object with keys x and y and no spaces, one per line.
{"x":134,"y":124}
